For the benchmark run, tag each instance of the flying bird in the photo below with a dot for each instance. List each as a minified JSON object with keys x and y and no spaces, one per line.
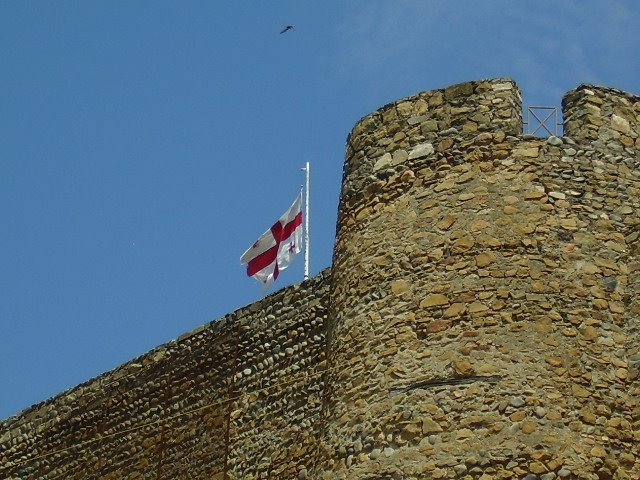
{"x":287,"y":28}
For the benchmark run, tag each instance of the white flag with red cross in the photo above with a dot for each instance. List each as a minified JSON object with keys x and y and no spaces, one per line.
{"x":277,"y":247}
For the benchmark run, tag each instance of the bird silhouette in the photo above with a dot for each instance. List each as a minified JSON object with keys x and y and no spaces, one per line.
{"x":287,"y":28}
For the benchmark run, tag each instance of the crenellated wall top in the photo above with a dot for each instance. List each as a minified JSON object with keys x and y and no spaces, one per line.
{"x":607,"y":117}
{"x":409,"y":133}
{"x":437,"y":129}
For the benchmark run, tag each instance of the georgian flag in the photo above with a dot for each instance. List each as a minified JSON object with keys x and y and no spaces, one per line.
{"x":276,"y":248}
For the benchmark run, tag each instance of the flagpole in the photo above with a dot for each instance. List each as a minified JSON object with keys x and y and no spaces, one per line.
{"x":306,"y":169}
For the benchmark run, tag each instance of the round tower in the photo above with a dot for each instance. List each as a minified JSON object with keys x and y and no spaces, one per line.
{"x":482,"y":303}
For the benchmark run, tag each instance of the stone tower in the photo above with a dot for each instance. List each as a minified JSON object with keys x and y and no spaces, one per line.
{"x":483,"y":315}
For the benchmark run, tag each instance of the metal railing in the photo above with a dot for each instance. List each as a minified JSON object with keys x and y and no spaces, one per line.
{"x":542,"y":121}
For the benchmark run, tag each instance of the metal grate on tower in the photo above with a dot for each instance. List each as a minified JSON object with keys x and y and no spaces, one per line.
{"x":542,"y":121}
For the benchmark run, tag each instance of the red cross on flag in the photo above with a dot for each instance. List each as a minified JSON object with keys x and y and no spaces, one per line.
{"x":277,"y":247}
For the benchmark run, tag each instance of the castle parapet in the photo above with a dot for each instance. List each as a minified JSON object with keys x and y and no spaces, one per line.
{"x":601,"y":114}
{"x":408,"y":133}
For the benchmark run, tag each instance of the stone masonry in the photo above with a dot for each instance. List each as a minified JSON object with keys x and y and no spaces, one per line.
{"x":480,"y":321}
{"x":237,"y":398}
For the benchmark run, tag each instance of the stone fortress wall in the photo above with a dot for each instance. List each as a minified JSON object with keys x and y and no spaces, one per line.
{"x":480,"y":321}
{"x":235,"y":398}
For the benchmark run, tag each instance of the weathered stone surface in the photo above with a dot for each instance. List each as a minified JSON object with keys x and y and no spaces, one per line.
{"x":462,"y":367}
{"x":620,"y":124}
{"x":421,"y":150}
{"x":485,"y":258}
{"x":434,"y":300}
{"x":400,"y":286}
{"x":383,"y":162}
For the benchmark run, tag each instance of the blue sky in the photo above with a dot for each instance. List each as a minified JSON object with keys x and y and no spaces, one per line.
{"x":144,"y":145}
